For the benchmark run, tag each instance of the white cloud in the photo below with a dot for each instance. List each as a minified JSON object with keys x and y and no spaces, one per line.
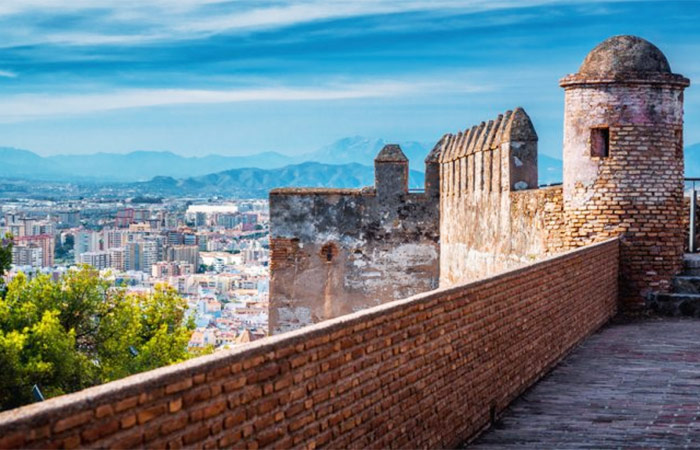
{"x":155,"y":20}
{"x":7,"y":74}
{"x":21,"y":107}
{"x":298,"y":12}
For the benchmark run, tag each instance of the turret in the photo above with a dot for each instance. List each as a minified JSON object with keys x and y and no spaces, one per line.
{"x":391,"y":172}
{"x":623,"y":160}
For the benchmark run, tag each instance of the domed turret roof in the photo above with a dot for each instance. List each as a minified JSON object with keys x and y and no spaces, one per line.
{"x":620,"y":55}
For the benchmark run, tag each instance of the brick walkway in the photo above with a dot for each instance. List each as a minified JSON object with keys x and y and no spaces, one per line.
{"x":633,"y":385}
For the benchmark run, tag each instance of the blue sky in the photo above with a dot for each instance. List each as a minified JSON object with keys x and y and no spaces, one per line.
{"x":239,"y":77}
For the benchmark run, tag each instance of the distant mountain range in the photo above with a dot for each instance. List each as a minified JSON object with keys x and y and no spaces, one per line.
{"x":144,"y":165}
{"x":345,"y":163}
{"x":249,"y":182}
{"x":134,"y":166}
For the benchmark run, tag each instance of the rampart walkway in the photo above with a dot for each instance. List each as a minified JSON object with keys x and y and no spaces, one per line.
{"x":633,"y":385}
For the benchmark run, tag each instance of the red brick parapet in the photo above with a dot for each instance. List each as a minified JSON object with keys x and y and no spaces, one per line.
{"x":426,"y":371}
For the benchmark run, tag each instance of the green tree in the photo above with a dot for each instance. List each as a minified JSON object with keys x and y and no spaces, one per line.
{"x":5,"y":259}
{"x":80,"y":331}
{"x":62,"y":250}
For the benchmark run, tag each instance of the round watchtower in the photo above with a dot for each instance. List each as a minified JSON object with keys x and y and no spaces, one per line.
{"x":623,"y":161}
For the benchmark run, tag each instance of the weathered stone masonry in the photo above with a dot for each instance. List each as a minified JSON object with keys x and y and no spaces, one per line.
{"x":336,"y":251}
{"x":492,"y":216}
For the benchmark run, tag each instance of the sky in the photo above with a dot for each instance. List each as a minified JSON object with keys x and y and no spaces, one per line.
{"x":197,"y":77}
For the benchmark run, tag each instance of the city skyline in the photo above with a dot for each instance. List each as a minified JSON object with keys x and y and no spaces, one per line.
{"x":203,"y":77}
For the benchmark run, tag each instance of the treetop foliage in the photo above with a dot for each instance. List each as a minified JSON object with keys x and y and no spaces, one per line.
{"x":78,"y":331}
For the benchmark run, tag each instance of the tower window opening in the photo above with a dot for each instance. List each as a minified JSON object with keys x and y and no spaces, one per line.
{"x":600,"y":142}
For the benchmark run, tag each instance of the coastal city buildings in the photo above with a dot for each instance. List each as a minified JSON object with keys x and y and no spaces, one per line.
{"x":214,"y":254}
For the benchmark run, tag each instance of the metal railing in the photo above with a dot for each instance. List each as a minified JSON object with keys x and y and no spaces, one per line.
{"x":691,"y":185}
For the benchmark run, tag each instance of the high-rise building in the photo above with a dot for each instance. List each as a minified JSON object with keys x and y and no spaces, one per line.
{"x":186,"y":253}
{"x":171,"y":220}
{"x":142,"y":215}
{"x":227,"y":220}
{"x":189,"y":239}
{"x":125,"y":217}
{"x":98,"y":260}
{"x":43,"y":227}
{"x":45,"y":241}
{"x":149,"y":254}
{"x":27,"y":255}
{"x":68,"y":218}
{"x":141,"y":255}
{"x":116,"y":258}
{"x":114,"y":238}
{"x":202,"y":242}
{"x":86,"y":241}
{"x":163,"y":269}
{"x":133,"y":256}
{"x":201,"y":219}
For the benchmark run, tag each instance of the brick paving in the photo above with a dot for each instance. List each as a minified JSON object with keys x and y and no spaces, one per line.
{"x":632,"y":385}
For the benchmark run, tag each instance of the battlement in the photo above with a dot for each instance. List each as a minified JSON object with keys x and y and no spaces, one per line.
{"x":623,"y":139}
{"x":353,"y":248}
{"x":495,"y":156}
{"x":484,"y":226}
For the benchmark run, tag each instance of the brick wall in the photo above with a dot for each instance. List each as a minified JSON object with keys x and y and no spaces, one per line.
{"x":426,"y":371}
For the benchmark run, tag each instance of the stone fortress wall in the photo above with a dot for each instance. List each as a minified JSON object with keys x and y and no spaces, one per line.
{"x":336,"y":251}
{"x":492,"y":218}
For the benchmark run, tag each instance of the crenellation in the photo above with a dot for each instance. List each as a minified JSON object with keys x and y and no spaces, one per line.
{"x":475,"y":226}
{"x":465,"y":145}
{"x":492,"y":140}
{"x":481,"y":144}
{"x":327,"y":260}
{"x":478,"y":173}
{"x":477,"y":130}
